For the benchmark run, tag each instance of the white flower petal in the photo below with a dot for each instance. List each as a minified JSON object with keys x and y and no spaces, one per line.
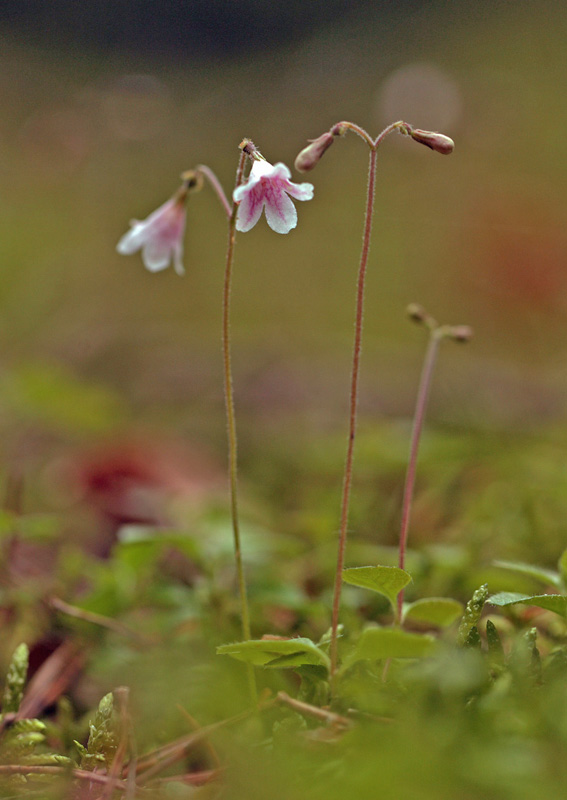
{"x":156,"y":255}
{"x":178,"y":259}
{"x":281,"y":215}
{"x":132,"y":240}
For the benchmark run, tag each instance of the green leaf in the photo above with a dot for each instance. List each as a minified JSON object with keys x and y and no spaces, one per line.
{"x":279,"y":653}
{"x":562,"y":564}
{"x":441,"y":611}
{"x":547,"y":576}
{"x":551,"y":602}
{"x":388,"y":581}
{"x":495,"y":649}
{"x":376,"y":644}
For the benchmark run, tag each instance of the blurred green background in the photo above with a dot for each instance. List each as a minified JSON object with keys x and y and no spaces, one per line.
{"x":104,"y":104}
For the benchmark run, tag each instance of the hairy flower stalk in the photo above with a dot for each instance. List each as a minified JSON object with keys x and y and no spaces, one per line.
{"x":305,"y":161}
{"x":268,"y":188}
{"x":231,"y":426}
{"x":459,"y":333}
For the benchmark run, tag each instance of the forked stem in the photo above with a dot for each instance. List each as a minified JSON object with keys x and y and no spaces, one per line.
{"x":231,"y":429}
{"x":373,"y":144}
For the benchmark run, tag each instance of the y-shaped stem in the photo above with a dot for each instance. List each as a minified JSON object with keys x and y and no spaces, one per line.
{"x":347,"y":477}
{"x":231,"y":427}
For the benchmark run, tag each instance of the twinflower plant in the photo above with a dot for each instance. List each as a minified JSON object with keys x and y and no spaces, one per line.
{"x":305,"y":161}
{"x":267,"y":187}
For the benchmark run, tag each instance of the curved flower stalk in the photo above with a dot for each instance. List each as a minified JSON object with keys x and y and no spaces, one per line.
{"x":160,"y":236}
{"x":268,"y":188}
{"x":305,"y":161}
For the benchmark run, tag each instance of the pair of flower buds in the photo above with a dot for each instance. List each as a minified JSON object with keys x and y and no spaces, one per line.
{"x":268,"y":188}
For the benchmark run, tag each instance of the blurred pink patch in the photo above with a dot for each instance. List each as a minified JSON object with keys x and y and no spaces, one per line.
{"x":269,"y":187}
{"x":159,"y":236}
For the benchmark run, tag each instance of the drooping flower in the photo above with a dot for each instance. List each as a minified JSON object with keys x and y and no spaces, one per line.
{"x":159,"y":236}
{"x":269,"y":186}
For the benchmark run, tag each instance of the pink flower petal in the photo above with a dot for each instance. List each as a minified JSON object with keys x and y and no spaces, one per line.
{"x":301,"y":191}
{"x":159,"y":236}
{"x":250,"y":207}
{"x":268,"y":186}
{"x":281,"y":215}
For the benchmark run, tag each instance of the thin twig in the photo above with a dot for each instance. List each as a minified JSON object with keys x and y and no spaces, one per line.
{"x":52,"y":678}
{"x":179,"y":747}
{"x":322,"y":714}
{"x":80,"y":774}
{"x":97,"y":619}
{"x":207,"y":744}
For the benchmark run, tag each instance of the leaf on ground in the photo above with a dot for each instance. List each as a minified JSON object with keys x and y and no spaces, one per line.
{"x":562,"y":564}
{"x":376,"y":644}
{"x":388,"y":581}
{"x":441,"y":611}
{"x":547,"y":576}
{"x":551,"y":602}
{"x":281,"y":653}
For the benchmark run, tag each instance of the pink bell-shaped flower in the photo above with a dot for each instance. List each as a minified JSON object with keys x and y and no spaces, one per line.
{"x":159,"y":236}
{"x":269,"y":187}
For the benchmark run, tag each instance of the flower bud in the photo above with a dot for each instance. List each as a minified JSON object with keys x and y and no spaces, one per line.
{"x":436,"y":141}
{"x":461,"y":333}
{"x":416,"y":313}
{"x":311,"y":154}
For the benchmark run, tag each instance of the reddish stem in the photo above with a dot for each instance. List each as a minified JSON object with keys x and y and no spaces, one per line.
{"x":347,"y":480}
{"x":435,"y":337}
{"x":231,"y":427}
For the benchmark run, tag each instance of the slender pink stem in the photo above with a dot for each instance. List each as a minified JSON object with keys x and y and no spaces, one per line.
{"x":347,"y":479}
{"x":435,"y":337}
{"x":231,"y":427}
{"x":215,"y":183}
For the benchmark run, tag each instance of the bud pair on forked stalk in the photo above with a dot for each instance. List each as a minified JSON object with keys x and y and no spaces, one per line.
{"x":268,"y":188}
